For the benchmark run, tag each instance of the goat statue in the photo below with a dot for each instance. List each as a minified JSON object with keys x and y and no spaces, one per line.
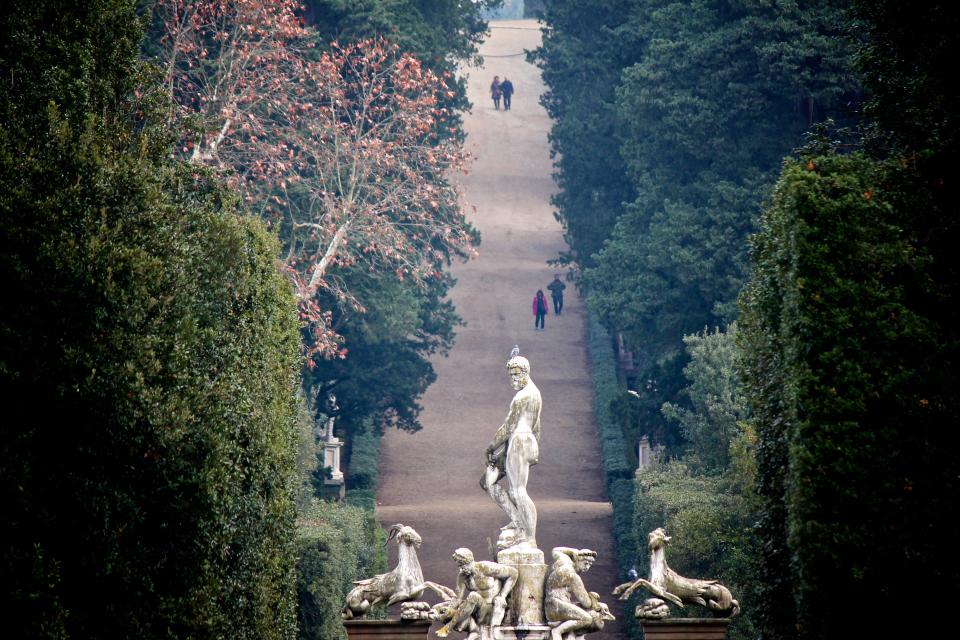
{"x":402,"y":584}
{"x":667,"y":584}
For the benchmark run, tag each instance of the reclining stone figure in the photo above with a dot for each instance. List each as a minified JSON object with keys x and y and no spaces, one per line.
{"x":404,"y":583}
{"x":667,"y":584}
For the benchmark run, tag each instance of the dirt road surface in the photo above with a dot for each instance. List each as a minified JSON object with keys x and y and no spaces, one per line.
{"x":430,"y":480}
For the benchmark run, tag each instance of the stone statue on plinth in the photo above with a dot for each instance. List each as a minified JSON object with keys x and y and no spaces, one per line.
{"x":666,"y":584}
{"x":403,"y":584}
{"x":514,"y":448}
{"x":571,"y":610}
{"x":481,"y":597}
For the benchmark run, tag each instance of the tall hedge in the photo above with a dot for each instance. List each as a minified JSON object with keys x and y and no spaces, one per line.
{"x":614,"y":449}
{"x":148,"y":358}
{"x":853,"y":384}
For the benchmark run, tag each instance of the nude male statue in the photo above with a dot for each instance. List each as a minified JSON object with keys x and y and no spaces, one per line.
{"x":570,"y":609}
{"x":516,"y":446}
{"x":481,"y":600}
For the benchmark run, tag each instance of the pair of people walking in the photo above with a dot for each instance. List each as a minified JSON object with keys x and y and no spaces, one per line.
{"x":501,"y":89}
{"x":540,"y":307}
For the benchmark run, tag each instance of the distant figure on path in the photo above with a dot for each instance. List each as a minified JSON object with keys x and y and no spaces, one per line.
{"x":556,"y":292}
{"x":506,"y":88}
{"x":495,"y":92}
{"x":540,"y":309}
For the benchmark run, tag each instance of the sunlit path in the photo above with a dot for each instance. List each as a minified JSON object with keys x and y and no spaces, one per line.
{"x":429,"y":480}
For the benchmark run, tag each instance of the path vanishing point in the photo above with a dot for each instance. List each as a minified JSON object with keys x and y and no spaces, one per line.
{"x":430,"y":479}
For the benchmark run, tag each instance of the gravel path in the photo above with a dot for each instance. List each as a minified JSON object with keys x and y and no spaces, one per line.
{"x":429,"y":480}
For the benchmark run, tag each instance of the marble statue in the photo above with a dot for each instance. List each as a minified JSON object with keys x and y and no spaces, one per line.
{"x":404,"y":583}
{"x":667,"y":584}
{"x":514,"y":448}
{"x":481,"y":597}
{"x":571,"y":610}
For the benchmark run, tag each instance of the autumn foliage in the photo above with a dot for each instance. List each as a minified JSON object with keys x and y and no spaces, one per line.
{"x":345,"y":149}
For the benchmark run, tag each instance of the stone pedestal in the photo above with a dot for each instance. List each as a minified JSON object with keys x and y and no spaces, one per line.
{"x":685,"y":629}
{"x":526,"y":600}
{"x":387,"y":629}
{"x":526,"y":632}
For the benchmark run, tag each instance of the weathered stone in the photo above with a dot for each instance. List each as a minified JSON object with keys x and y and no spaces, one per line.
{"x":526,"y":602}
{"x":386,"y":629}
{"x":522,"y":632}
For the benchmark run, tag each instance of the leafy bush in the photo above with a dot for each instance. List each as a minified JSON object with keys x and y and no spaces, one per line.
{"x":710,"y":526}
{"x":336,"y":544}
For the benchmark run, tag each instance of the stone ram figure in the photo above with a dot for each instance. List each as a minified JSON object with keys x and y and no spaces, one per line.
{"x":667,"y":584}
{"x":404,"y":583}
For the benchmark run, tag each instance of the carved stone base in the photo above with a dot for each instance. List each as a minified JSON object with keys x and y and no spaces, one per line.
{"x":685,"y":629}
{"x":526,"y":600}
{"x":524,"y":632}
{"x":387,"y":629}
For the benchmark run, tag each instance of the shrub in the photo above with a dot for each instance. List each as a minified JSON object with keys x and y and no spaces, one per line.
{"x":336,"y":545}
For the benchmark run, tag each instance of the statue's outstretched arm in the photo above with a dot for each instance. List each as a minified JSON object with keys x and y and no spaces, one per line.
{"x":444,"y":592}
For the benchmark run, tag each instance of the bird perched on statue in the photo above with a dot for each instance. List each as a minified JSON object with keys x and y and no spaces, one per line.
{"x":515,"y":351}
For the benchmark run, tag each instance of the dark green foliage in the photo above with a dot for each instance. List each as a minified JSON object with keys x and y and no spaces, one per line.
{"x":907,"y":56}
{"x":717,"y":407}
{"x":585,"y":47}
{"x":364,"y":458}
{"x":709,"y":521}
{"x":613,"y":448}
{"x":386,"y":369}
{"x":850,"y":368}
{"x":336,"y":545}
{"x":852,"y":347}
{"x":706,"y":499}
{"x":148,"y":359}
{"x":709,"y":113}
{"x":607,"y":390}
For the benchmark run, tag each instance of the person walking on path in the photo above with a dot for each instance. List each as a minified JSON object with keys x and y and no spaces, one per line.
{"x":496,"y":90}
{"x":506,"y":88}
{"x":556,"y":292}
{"x":540,"y":309}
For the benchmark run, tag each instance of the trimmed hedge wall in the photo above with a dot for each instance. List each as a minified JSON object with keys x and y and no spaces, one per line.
{"x":607,"y":389}
{"x":614,"y":449}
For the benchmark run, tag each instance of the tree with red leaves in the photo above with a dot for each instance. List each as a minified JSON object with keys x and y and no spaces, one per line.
{"x":345,"y":150}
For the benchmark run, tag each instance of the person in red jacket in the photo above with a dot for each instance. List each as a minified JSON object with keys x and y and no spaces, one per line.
{"x":539,"y":309}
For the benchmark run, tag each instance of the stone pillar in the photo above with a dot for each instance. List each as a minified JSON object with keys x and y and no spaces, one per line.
{"x":526,"y":599}
{"x":685,"y":629}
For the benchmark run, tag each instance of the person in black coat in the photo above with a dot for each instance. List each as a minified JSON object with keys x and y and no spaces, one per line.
{"x":556,"y":292}
{"x":506,"y":88}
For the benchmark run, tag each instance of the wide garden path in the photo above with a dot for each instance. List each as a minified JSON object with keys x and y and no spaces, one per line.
{"x":429,"y":480}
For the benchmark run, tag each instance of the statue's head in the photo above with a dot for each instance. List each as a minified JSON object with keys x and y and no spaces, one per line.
{"x":585,"y":559}
{"x":463,"y":556}
{"x":657,"y":539}
{"x":519,"y":369}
